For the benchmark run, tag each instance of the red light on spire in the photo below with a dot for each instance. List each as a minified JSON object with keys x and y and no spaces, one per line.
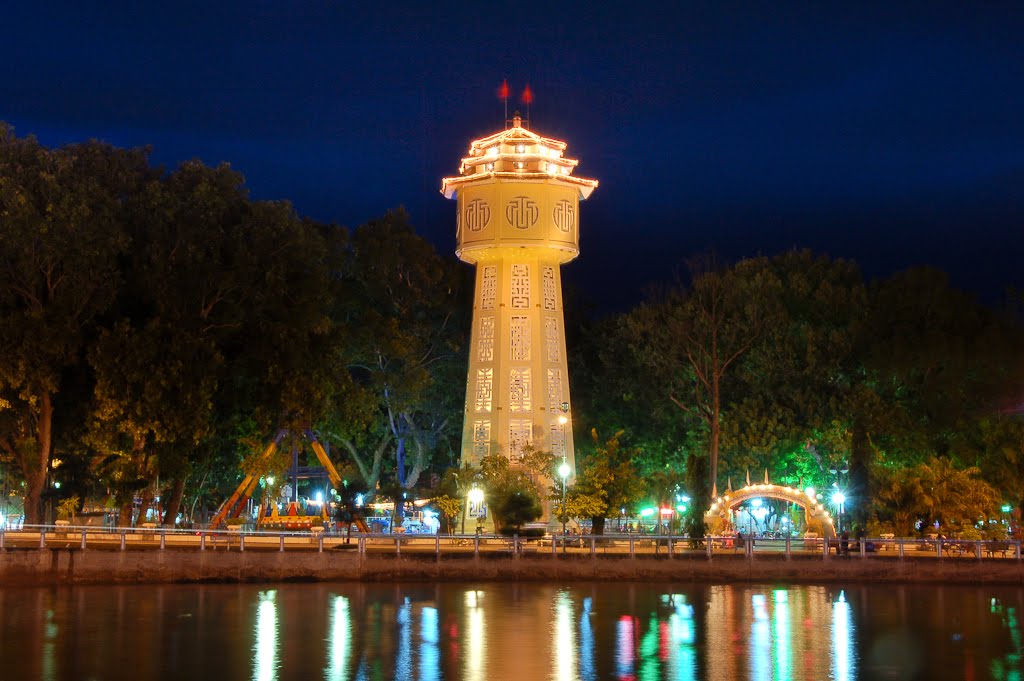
{"x":503,"y":90}
{"x":527,"y":95}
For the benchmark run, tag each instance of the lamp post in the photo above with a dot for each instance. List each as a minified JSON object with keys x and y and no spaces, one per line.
{"x":563,"y":472}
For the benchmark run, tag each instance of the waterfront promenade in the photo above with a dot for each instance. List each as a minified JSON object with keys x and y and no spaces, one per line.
{"x":51,"y":555}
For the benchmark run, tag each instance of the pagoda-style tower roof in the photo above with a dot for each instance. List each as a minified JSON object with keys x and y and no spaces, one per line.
{"x":520,"y":155}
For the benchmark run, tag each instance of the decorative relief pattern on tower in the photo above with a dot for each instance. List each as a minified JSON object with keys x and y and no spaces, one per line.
{"x":554,"y":391}
{"x":489,"y":287}
{"x":481,"y":439}
{"x":484,"y":390}
{"x":520,"y":338}
{"x":548,"y":286}
{"x":485,"y":342}
{"x":520,"y":436}
{"x":477,"y":215}
{"x":551,"y":341}
{"x":522,"y":213}
{"x":520,"y":287}
{"x":564,"y":215}
{"x":519,"y":391}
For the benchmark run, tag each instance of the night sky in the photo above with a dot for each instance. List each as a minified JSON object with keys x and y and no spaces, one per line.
{"x":889,"y":133}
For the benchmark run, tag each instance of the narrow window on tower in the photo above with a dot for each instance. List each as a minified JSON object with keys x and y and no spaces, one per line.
{"x":485,"y":343}
{"x":520,"y":436}
{"x":520,"y":287}
{"x":548,"y":286}
{"x":554,"y":391}
{"x":520,"y":339}
{"x":519,"y":391}
{"x":481,"y":439}
{"x":552,"y":343}
{"x":557,"y":443}
{"x":484,"y":390}
{"x":489,"y":287}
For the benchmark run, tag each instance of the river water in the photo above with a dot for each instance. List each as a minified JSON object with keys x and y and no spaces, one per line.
{"x":514,"y":631}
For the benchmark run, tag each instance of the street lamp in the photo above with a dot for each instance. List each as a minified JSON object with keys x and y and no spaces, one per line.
{"x":564,"y":471}
{"x":839,"y":500}
{"x":476,"y":497}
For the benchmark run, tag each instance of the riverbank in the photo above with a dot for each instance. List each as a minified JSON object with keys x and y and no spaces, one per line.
{"x":53,"y":566}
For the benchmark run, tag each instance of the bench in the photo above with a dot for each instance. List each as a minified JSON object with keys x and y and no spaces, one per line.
{"x":1000,"y":547}
{"x":958,"y":548}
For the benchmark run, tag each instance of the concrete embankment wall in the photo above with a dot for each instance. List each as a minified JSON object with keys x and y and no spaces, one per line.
{"x":75,"y":566}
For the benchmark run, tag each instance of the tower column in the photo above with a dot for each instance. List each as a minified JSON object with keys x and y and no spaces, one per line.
{"x":517,"y":385}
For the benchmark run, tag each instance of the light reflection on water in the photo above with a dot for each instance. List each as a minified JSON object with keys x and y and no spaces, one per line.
{"x":265,"y":648}
{"x":339,"y":640}
{"x":521,"y":632}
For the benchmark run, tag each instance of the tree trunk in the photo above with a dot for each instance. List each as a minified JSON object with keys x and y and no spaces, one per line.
{"x":174,"y":502}
{"x":697,"y":480}
{"x":597,"y":525}
{"x":147,"y":501}
{"x":35,"y":470}
{"x":125,"y":512}
{"x":715,"y":435}
{"x":860,"y":458}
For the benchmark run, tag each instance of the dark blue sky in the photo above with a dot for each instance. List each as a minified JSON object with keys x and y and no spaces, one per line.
{"x":889,"y":133}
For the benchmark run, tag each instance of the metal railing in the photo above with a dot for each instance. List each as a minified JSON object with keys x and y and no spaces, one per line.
{"x":152,"y":537}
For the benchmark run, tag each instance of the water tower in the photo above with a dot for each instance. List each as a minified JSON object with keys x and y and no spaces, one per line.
{"x":518,"y":223}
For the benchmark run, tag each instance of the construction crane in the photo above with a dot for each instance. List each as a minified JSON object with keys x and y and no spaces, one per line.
{"x":237,"y":502}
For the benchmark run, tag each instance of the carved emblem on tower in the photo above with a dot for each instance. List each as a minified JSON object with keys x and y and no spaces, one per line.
{"x":564,"y":215}
{"x":522,"y":213}
{"x":477,"y":215}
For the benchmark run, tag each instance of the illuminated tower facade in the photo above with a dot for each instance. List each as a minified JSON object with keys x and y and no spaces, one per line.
{"x":518,"y":222}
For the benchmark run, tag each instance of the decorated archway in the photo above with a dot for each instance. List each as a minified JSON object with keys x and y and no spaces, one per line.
{"x":719,"y":518}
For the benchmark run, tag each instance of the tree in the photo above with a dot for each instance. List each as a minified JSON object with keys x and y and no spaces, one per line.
{"x":513,"y":491}
{"x":61,"y":234}
{"x":694,"y":337}
{"x":457,"y":482}
{"x":607,"y":480}
{"x":450,"y":508}
{"x":517,"y":508}
{"x":405,"y":349}
{"x":212,"y":278}
{"x":999,"y":454}
{"x":789,"y":391}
